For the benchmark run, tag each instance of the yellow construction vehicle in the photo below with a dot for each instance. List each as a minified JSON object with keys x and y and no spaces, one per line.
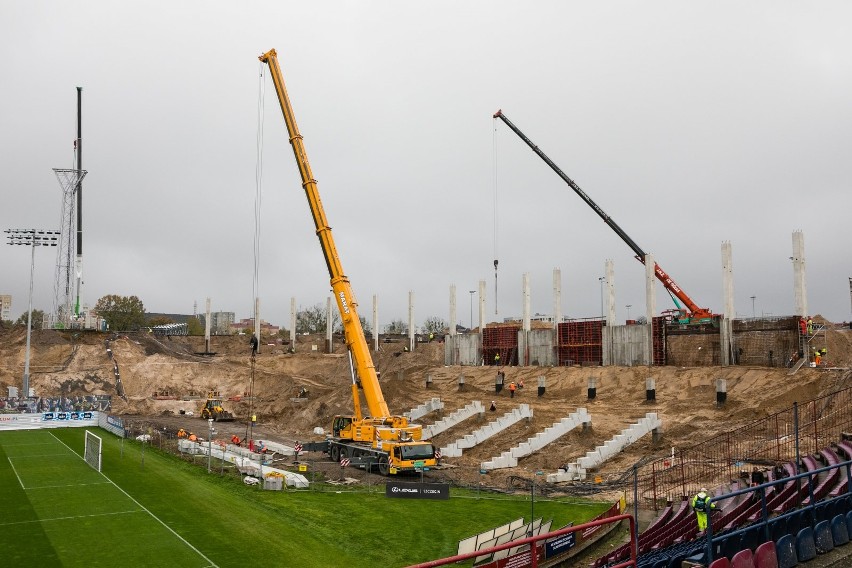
{"x":213,"y":409}
{"x":381,"y":438}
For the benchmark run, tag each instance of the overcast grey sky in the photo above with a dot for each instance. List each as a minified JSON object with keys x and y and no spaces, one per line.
{"x":689,"y":123}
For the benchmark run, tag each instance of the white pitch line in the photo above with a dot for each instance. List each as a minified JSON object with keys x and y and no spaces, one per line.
{"x":62,"y":455}
{"x":140,"y":505}
{"x":28,"y":445}
{"x":69,"y":485}
{"x":16,"y":473}
{"x":69,"y":518}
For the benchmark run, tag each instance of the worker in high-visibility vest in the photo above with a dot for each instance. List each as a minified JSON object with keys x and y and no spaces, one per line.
{"x":702,"y":505}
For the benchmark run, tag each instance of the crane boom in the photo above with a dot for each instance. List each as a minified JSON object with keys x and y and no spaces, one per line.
{"x":696,"y":313}
{"x":352,"y":330}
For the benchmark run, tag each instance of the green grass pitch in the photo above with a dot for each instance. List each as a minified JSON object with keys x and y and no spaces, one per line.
{"x":59,"y":511}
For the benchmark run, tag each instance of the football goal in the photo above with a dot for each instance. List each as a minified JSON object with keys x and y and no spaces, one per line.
{"x":92,"y":453}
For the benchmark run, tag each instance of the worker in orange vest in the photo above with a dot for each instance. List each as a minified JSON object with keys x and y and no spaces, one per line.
{"x":512,"y":387}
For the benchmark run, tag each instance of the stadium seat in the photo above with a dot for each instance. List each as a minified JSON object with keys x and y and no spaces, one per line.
{"x":743,"y":559}
{"x":839,"y":530}
{"x":765,"y":556}
{"x":785,"y":548}
{"x":731,"y":545}
{"x":849,"y":522}
{"x":778,"y":528}
{"x":720,"y":563}
{"x":822,"y":537}
{"x":805,"y":545}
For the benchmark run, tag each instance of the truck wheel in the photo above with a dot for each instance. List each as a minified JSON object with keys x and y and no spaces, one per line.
{"x":334,"y":452}
{"x":384,"y":467}
{"x":344,"y":452}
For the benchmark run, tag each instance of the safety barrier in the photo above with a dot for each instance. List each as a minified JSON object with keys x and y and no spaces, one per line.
{"x":527,"y":558}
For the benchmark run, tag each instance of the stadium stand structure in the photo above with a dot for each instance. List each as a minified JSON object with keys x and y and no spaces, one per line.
{"x":491,"y":429}
{"x":472,"y":409}
{"x":509,"y":458}
{"x":775,"y":524}
{"x":422,"y":410}
{"x":594,"y":458}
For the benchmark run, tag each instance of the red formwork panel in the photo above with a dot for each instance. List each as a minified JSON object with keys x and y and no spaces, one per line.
{"x":500,"y":345}
{"x":659,"y":331}
{"x":580,"y":342}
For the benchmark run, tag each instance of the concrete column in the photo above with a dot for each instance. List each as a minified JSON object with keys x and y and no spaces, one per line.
{"x":650,"y":305}
{"x":799,"y":287}
{"x":721,"y":391}
{"x":207,"y":328}
{"x":328,"y":320}
{"x":453,"y":315}
{"x":557,"y":297}
{"x":375,"y":322}
{"x":592,"y":391}
{"x":481,"y":308}
{"x":542,"y":385}
{"x":610,"y":296}
{"x":411,"y":320}
{"x":650,"y":389}
{"x":526,"y":300}
{"x":725,"y":327}
{"x":292,"y":324}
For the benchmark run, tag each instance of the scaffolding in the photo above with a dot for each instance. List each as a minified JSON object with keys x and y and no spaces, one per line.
{"x":580,"y":342}
{"x":63,"y":288}
{"x":500,"y":345}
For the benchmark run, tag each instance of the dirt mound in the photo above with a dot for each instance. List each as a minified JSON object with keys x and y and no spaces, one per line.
{"x":73,"y":364}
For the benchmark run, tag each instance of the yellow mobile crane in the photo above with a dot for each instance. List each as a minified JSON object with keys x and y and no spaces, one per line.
{"x":381,"y":438}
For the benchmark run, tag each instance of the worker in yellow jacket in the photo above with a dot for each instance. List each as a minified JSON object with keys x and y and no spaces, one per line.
{"x":702,"y":505}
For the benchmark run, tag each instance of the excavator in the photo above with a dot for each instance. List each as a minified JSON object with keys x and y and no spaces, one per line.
{"x":213,"y":409}
{"x":689,"y":312}
{"x":379,"y":438}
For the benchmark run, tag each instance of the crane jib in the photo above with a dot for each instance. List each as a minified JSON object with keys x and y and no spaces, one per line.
{"x":640,"y":254}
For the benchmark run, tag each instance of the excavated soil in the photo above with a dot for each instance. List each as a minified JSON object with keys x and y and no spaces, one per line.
{"x":77,"y":363}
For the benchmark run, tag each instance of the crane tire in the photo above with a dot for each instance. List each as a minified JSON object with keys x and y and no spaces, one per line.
{"x":384,"y":467}
{"x":334,"y":452}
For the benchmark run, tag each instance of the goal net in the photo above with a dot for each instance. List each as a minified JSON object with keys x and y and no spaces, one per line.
{"x":92,"y":454}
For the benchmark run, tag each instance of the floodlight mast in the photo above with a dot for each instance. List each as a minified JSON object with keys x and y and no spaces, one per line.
{"x":78,"y":264}
{"x":31,"y":238}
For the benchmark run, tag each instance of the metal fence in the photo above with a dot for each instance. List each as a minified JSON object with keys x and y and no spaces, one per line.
{"x":785,"y":436}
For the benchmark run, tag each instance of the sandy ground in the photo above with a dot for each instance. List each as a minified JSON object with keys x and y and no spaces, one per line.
{"x":77,"y":364}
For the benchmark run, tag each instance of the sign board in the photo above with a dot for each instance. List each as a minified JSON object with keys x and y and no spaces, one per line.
{"x":418,"y":463}
{"x":560,"y":544}
{"x":407,"y":490}
{"x":303,"y":467}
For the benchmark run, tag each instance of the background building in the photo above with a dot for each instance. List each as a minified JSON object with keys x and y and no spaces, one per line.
{"x":5,"y":307}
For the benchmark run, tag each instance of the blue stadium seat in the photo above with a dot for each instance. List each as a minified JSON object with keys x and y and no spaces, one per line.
{"x":778,"y":528}
{"x":839,"y":530}
{"x":805,"y":545}
{"x":822,"y":537}
{"x":849,"y":522}
{"x":785,"y":548}
{"x":797,"y":521}
{"x":731,"y":545}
